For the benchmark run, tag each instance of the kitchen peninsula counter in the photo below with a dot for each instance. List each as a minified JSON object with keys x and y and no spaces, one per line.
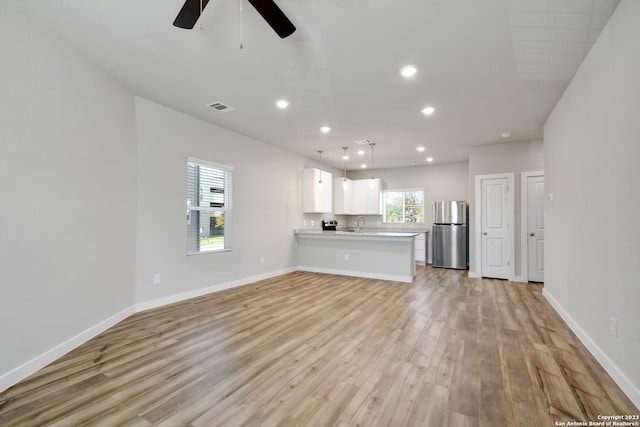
{"x":377,"y":254}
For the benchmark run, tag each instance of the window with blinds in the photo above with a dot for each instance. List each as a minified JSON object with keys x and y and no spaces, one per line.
{"x":208,"y":206}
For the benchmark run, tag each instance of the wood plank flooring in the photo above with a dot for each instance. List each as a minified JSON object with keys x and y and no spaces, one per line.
{"x":307,"y":349}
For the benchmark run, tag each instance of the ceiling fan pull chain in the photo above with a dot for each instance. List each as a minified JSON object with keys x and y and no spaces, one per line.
{"x":241,"y":35}
{"x":201,"y":8}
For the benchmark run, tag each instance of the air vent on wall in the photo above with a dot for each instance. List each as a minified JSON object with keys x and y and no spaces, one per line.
{"x":219,"y":106}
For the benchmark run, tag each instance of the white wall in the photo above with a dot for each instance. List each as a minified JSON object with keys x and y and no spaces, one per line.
{"x":592,"y":147}
{"x":67,"y":221}
{"x":266,"y":205}
{"x":512,"y":157}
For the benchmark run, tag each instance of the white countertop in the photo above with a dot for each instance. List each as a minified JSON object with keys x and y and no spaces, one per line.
{"x":362,"y":233}
{"x":398,"y":229}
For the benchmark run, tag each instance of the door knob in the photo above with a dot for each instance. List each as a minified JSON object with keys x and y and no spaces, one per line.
{"x":484,"y":234}
{"x":532,"y":234}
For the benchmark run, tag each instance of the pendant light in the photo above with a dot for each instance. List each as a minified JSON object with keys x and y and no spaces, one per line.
{"x":320,"y":177}
{"x":345,"y":157}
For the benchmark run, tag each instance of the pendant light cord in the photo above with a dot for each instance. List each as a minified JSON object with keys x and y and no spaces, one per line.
{"x":241,"y":30}
{"x":372,"y":144}
{"x":320,"y":180}
{"x":344,"y":161}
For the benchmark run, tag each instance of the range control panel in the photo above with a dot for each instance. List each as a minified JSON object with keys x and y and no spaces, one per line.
{"x":329,"y":225}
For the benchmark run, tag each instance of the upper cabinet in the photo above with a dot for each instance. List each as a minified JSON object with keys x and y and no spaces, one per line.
{"x":317,"y":191}
{"x":367,"y":195}
{"x":343,"y":200}
{"x":357,"y":197}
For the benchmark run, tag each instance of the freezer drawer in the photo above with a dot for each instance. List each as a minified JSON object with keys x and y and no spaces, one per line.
{"x":449,"y":246}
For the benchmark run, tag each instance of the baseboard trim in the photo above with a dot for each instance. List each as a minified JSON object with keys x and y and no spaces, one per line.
{"x":367,"y":275}
{"x":148,"y":305}
{"x":612,"y":369}
{"x":28,"y":368}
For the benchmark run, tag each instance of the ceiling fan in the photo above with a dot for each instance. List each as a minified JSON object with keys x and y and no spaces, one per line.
{"x":271,"y":13}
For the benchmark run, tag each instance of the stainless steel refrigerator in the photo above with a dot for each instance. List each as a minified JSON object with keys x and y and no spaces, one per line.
{"x":450,"y":237}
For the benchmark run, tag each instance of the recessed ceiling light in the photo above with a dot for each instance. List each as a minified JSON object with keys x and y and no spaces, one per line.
{"x":282,"y":103}
{"x":361,"y":152}
{"x":408,"y":71}
{"x":363,"y":166}
{"x":420,"y":148}
{"x":325,"y":129}
{"x":427,"y":111}
{"x":506,"y":134}
{"x":429,"y":159}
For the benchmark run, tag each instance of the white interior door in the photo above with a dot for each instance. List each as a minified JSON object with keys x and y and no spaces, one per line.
{"x":495,"y":228}
{"x":535,"y":228}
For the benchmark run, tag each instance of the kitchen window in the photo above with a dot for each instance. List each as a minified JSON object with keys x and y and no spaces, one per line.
{"x":403,"y":206}
{"x":208,"y":206}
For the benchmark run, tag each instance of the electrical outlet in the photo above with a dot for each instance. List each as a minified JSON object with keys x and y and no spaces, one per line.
{"x":156,"y":279}
{"x":346,"y":257}
{"x":261,"y":260}
{"x":614,"y":327}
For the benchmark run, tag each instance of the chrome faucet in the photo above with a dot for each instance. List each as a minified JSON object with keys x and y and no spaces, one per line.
{"x":364,"y":221}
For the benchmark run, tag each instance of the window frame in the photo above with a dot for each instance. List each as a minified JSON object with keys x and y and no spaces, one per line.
{"x":404,"y":191}
{"x":193,"y":211}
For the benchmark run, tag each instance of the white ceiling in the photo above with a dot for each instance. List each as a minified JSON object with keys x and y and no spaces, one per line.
{"x":488,"y":67}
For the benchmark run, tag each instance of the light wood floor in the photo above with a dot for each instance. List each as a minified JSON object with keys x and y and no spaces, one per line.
{"x":309,"y":349}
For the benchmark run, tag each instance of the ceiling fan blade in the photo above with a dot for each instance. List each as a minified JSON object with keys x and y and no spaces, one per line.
{"x":274,"y":17}
{"x":189,"y":14}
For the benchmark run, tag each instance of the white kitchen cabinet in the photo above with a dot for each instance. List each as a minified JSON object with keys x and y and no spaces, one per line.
{"x":421,"y":248}
{"x":317,"y":191}
{"x":343,"y":196}
{"x":367,"y":195}
{"x":357,"y":197}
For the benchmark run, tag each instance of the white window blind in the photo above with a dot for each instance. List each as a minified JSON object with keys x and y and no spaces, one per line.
{"x":209,"y":210}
